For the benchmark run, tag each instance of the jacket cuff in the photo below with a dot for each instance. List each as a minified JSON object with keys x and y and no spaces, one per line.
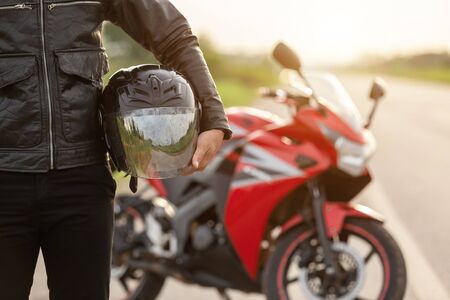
{"x":220,"y":123}
{"x":227,"y":133}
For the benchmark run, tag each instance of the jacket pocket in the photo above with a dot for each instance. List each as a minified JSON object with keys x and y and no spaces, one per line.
{"x":80,"y":84}
{"x":20,"y":105}
{"x":55,"y":5}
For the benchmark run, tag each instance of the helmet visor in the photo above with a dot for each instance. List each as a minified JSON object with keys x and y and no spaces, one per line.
{"x":158,"y":142}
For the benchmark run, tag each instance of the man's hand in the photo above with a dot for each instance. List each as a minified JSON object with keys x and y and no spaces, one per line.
{"x":208,"y":144}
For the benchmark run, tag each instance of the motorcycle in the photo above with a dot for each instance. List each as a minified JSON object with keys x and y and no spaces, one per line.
{"x":272,"y":213}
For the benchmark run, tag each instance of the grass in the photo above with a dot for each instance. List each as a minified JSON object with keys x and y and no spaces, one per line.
{"x":236,"y":93}
{"x":431,"y":74}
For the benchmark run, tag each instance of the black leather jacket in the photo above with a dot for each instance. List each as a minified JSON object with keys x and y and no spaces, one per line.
{"x":51,"y":67}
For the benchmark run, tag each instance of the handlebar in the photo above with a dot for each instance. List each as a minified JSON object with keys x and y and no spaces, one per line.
{"x":285,"y":96}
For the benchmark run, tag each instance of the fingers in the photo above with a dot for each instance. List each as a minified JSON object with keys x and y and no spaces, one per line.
{"x":209,"y":155}
{"x":189,"y":170}
{"x":199,"y":162}
{"x":207,"y":145}
{"x":202,"y":155}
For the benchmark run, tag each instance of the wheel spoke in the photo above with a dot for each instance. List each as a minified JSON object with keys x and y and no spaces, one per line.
{"x":343,"y":236}
{"x":291,"y":280}
{"x":124,"y":284}
{"x":369,"y":255}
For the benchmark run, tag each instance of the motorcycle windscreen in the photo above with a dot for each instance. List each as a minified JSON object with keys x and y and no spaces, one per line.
{"x":158,"y":142}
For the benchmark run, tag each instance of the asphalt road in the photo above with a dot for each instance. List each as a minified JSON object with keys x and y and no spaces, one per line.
{"x":412,"y":168}
{"x":411,"y":171}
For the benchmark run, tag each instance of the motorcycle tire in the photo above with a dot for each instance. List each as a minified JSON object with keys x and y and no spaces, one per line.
{"x":149,"y":287}
{"x":275,"y":275}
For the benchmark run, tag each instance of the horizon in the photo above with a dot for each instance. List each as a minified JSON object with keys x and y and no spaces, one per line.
{"x":345,"y":32}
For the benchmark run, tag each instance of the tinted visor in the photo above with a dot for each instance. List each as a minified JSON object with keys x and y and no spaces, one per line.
{"x":158,"y":142}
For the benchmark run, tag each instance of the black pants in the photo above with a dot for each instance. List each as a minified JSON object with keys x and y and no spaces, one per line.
{"x":69,"y":215}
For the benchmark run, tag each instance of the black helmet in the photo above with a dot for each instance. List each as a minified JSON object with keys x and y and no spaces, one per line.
{"x":151,"y":121}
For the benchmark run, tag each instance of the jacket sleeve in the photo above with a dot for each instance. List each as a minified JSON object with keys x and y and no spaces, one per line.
{"x":160,"y":28}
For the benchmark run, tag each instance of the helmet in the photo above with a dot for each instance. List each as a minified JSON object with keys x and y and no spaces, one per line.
{"x":151,"y":121}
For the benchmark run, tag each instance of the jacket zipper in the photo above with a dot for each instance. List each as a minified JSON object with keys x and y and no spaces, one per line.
{"x":47,"y":85}
{"x":61,"y":4}
{"x":17,"y":6}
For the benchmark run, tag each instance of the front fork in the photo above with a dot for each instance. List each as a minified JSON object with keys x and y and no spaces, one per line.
{"x":318,"y":204}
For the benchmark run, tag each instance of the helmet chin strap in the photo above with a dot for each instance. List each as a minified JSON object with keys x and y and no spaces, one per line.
{"x":133,"y":184}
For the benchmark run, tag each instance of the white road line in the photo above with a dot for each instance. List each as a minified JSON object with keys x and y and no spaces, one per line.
{"x":424,"y":281}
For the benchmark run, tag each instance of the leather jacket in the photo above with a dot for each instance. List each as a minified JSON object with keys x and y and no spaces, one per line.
{"x":51,"y":65}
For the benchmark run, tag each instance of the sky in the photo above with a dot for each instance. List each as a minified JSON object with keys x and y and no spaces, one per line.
{"x":323,"y":31}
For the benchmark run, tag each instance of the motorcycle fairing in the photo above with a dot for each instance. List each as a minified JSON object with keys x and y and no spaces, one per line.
{"x":253,"y":214}
{"x":266,"y":173}
{"x":335,"y":215}
{"x":334,"y":179}
{"x":245,"y":120}
{"x":216,"y":176}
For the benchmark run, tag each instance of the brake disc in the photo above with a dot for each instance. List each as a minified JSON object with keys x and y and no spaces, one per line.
{"x":349,"y":260}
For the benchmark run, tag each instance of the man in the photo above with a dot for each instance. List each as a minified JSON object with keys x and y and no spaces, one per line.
{"x":55,"y":189}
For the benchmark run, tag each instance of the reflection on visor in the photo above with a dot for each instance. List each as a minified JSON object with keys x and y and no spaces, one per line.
{"x":158,"y":142}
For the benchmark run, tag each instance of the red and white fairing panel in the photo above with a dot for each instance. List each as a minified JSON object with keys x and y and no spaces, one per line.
{"x":245,"y":120}
{"x":266,"y":171}
{"x":259,"y":164}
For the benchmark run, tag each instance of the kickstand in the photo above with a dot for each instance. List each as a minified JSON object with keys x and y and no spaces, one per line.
{"x":223,"y":294}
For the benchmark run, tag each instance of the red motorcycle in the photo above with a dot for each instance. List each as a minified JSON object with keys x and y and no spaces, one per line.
{"x":272,"y":213}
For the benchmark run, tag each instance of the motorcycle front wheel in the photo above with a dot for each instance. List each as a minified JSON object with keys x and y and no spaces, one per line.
{"x":370,"y":262}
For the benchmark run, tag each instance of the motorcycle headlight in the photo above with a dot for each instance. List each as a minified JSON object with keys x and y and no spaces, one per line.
{"x":352,"y":157}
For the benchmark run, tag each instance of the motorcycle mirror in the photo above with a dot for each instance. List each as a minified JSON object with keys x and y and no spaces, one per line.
{"x":291,"y":79}
{"x":378,"y":89}
{"x":286,"y":57}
